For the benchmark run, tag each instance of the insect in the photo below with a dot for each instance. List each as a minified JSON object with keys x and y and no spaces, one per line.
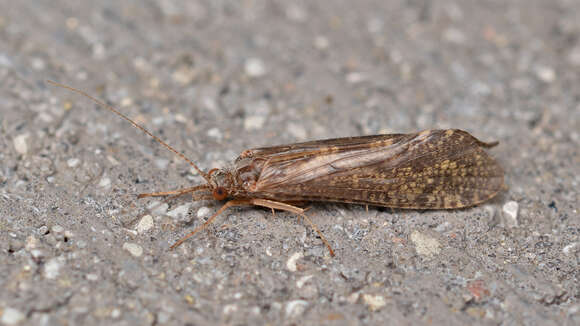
{"x":431,"y":169}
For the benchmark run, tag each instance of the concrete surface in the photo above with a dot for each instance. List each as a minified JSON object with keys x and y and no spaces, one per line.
{"x":214,"y":78}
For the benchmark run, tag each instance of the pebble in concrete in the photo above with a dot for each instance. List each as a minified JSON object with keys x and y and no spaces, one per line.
{"x":133,"y":248}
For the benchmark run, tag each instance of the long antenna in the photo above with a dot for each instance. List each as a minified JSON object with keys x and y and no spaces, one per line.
{"x":112,"y":109}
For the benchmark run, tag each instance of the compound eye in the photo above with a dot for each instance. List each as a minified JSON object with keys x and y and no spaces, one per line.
{"x":220,"y":193}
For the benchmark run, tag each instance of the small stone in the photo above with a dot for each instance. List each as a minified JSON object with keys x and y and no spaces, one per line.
{"x":425,"y":245}
{"x":115,"y":313}
{"x":145,"y":224}
{"x":203,"y":212}
{"x":105,"y":182}
{"x":510,"y":210}
{"x":4,"y":61}
{"x":20,"y":144}
{"x":300,"y":283}
{"x":179,"y":211}
{"x":296,"y":13}
{"x":57,"y":229}
{"x":291,"y":262}
{"x":92,"y":277}
{"x":353,"y":298}
{"x":295,"y":308}
{"x":133,"y":248}
{"x":215,"y":133}
{"x":52,"y":268}
{"x":321,"y":42}
{"x":31,"y":243}
{"x":297,"y":131}
{"x":571,"y":248}
{"x":37,"y":253}
{"x":161,"y":163}
{"x":73,"y":162}
{"x":38,"y":64}
{"x":254,"y":67}
{"x":254,"y":122}
{"x":229,"y":309}
{"x":43,"y":230}
{"x":545,"y":74}
{"x":11,"y":316}
{"x":163,"y":317}
{"x":355,"y":77}
{"x":157,"y":208}
{"x":375,"y":302}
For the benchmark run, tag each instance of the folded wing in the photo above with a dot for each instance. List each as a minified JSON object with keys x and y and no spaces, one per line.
{"x":433,"y":169}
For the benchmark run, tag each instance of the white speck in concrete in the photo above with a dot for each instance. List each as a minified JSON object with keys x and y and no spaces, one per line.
{"x":300,"y":283}
{"x":52,"y":268}
{"x":11,"y":316}
{"x":20,"y":143}
{"x":425,"y":245}
{"x":297,"y":130}
{"x":296,"y":13}
{"x":254,"y":67}
{"x":81,"y":244}
{"x":291,"y":263}
{"x":4,"y":61}
{"x":545,"y":74}
{"x":179,"y":211}
{"x":321,"y":42}
{"x":375,"y":302}
{"x":353,"y":298}
{"x":355,"y":77}
{"x":145,"y":224}
{"x":295,"y":308}
{"x":57,"y":229}
{"x":73,"y":162}
{"x":112,"y":160}
{"x":163,"y":317}
{"x":38,"y":64}
{"x":229,"y":309}
{"x":31,"y":243}
{"x":203,"y":212}
{"x":133,"y":248}
{"x":92,"y":277}
{"x":115,"y":313}
{"x":510,"y":210}
{"x":105,"y":182}
{"x":571,"y":248}
{"x":161,"y":163}
{"x":215,"y":133}
{"x":158,"y":208}
{"x":43,"y":230}
{"x":254,"y":122}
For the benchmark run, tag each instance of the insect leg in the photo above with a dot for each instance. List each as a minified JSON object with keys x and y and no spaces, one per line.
{"x":292,"y":209}
{"x":231,"y":203}
{"x":177,"y":192}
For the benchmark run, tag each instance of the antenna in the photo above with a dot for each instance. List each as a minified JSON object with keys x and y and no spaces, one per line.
{"x":112,"y":109}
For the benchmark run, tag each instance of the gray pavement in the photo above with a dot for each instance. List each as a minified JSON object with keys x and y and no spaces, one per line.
{"x":215,"y":78}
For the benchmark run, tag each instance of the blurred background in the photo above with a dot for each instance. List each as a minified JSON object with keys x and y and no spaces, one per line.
{"x":216,"y":77}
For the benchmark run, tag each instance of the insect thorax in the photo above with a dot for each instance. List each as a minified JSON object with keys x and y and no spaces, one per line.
{"x":246,"y":172}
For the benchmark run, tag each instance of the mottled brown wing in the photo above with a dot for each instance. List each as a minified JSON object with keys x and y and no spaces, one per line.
{"x":434,"y":169}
